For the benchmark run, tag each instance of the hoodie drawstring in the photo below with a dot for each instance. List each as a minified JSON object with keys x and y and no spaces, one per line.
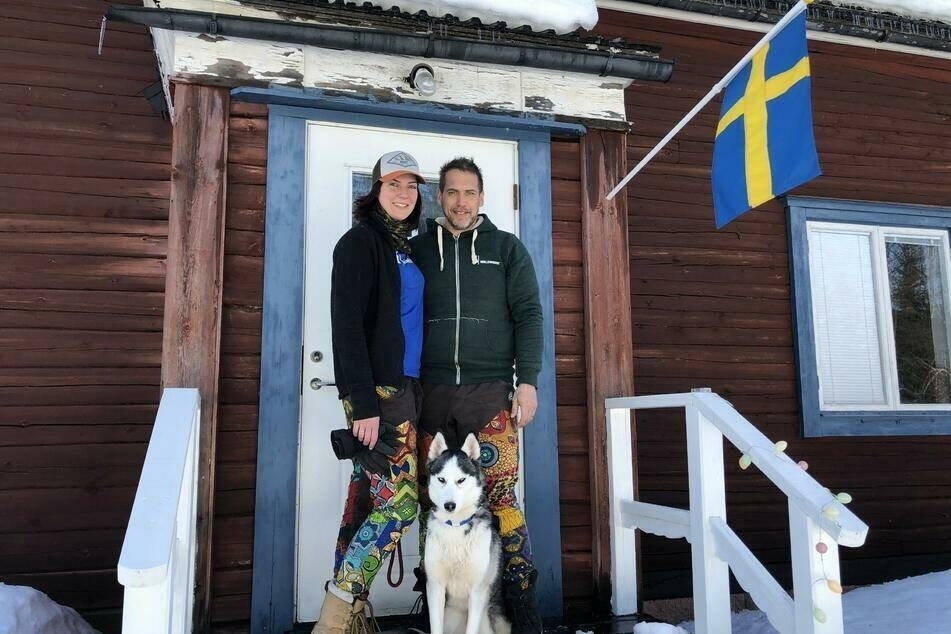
{"x":439,"y":244}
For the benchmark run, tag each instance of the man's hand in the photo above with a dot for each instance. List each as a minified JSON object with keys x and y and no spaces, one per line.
{"x":524,"y":405}
{"x":367,"y":430}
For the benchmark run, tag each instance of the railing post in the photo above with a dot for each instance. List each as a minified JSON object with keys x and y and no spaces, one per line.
{"x":811,"y":571}
{"x":621,"y":487}
{"x":157,"y":562}
{"x":711,"y":575}
{"x":186,"y":539}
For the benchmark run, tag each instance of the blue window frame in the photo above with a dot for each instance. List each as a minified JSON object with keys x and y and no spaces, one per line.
{"x":871,"y":291}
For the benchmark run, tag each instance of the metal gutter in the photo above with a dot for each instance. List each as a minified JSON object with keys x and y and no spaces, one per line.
{"x":429,"y":45}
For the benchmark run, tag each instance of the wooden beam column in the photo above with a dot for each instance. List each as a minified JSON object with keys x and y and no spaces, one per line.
{"x":193,"y":289}
{"x":609,"y":353}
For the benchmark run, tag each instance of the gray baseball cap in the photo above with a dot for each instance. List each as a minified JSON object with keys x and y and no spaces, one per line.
{"x":396,"y":163}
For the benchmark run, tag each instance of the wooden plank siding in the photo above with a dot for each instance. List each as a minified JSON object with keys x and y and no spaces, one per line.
{"x":713,"y":308}
{"x":84,"y":192}
{"x":576,"y":532}
{"x":240,"y":368}
{"x":608,"y":350}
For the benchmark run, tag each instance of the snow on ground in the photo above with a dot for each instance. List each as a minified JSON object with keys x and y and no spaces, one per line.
{"x":657,"y":628}
{"x":24,"y":610}
{"x":917,"y":605}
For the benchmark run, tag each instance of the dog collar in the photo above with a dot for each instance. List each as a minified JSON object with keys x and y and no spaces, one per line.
{"x":463,"y":522}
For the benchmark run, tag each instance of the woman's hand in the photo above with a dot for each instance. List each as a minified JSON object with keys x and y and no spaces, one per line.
{"x":367,"y":430}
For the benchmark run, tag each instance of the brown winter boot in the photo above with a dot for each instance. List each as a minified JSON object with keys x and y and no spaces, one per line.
{"x":337,"y":616}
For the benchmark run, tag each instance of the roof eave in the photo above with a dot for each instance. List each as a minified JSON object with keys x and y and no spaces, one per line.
{"x":603,"y":63}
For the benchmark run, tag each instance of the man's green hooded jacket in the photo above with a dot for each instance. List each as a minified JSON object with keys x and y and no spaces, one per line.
{"x":483,"y":319}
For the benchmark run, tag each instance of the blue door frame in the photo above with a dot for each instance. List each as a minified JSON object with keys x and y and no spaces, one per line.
{"x":272,"y":597}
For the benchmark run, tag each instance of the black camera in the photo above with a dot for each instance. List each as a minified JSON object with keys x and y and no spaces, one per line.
{"x":345,"y":444}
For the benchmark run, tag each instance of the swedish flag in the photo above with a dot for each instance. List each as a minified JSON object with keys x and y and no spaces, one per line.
{"x":765,"y":144}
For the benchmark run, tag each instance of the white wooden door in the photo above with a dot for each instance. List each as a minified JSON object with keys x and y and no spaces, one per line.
{"x":339,"y":161}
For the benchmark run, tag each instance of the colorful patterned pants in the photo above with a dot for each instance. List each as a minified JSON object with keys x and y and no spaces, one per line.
{"x":379,"y":509}
{"x":499,"y":442}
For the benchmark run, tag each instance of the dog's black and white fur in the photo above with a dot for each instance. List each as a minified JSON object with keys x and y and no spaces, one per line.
{"x":463,"y":549}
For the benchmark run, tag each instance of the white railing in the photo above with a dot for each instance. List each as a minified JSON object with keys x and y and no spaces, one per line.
{"x":817,"y":522}
{"x":157,"y":563}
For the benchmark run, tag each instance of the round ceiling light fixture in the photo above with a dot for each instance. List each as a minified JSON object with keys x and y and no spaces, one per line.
{"x":423,"y":80}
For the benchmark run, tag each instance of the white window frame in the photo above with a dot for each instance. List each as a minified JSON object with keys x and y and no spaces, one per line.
{"x":883,"y":306}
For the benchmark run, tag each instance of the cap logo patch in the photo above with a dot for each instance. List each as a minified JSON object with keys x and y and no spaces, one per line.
{"x":402,"y":159}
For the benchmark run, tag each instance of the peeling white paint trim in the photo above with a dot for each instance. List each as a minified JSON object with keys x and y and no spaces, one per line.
{"x":486,"y":87}
{"x":164,"y":53}
{"x":238,"y":60}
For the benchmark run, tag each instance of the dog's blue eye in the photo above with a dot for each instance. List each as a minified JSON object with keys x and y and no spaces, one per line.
{"x":441,"y":480}
{"x":460,"y":480}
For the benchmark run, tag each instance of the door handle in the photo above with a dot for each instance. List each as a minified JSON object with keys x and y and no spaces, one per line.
{"x":316,"y":384}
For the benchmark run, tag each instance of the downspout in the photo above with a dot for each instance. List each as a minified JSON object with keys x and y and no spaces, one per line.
{"x":394,"y":43}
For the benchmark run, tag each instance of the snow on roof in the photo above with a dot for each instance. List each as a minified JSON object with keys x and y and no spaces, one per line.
{"x":921,"y":9}
{"x":921,"y":24}
{"x":563,"y":16}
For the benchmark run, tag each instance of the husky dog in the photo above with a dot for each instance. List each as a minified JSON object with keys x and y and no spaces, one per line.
{"x":463,"y":552}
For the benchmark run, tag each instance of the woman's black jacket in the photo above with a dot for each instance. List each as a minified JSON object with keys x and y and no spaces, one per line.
{"x":368,"y":344}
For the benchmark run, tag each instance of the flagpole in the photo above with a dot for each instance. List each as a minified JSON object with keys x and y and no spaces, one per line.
{"x":798,"y":8}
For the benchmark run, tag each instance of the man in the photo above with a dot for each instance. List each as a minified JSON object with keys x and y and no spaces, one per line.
{"x":483,"y":325}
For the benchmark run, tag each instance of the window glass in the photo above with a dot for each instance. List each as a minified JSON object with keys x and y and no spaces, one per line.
{"x":916,"y":279}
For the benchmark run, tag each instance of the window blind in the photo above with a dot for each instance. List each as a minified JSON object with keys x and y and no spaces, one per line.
{"x":846,"y":321}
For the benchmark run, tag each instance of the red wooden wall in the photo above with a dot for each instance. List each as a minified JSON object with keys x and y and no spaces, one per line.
{"x":84,"y":171}
{"x":570,"y":373}
{"x":240,"y":368}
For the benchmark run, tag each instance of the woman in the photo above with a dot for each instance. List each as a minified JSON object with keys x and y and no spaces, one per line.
{"x":376,"y":310}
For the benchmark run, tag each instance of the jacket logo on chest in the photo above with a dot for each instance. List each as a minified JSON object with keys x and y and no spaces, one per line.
{"x":484,"y":261}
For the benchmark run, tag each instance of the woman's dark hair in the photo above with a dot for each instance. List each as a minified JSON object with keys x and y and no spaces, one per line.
{"x":364,"y":206}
